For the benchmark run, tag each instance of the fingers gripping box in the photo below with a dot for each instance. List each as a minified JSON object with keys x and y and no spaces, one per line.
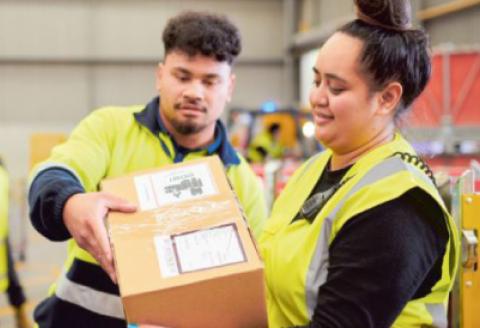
{"x":186,"y":258}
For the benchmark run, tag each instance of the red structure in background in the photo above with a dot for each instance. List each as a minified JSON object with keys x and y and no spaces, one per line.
{"x":453,"y":92}
{"x":453,"y":165}
{"x":450,"y":106}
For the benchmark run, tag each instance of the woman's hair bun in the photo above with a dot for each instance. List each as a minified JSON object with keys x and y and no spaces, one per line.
{"x":390,"y":14}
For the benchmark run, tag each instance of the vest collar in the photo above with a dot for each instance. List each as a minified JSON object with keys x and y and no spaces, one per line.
{"x":381,"y":153}
{"x":150,"y":118}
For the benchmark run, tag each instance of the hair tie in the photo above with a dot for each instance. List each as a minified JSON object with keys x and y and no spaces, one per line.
{"x":369,"y":20}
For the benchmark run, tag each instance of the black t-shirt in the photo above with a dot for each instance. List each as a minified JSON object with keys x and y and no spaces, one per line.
{"x":380,"y":260}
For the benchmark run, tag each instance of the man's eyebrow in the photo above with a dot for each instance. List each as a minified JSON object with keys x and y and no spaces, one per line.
{"x":182,"y":70}
{"x":211,"y":76}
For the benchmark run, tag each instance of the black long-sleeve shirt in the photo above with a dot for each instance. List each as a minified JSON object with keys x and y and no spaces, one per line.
{"x":380,"y":260}
{"x":47,"y":196}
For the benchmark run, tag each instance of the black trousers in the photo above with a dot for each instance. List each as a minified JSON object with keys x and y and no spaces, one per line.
{"x":16,"y":296}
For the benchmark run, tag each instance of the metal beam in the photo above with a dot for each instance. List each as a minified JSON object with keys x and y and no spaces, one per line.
{"x":446,"y":9}
{"x":272,"y":62}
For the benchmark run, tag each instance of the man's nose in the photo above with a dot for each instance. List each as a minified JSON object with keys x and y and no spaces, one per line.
{"x":194,"y":90}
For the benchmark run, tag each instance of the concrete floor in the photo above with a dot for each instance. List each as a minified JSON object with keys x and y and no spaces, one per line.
{"x":43,"y":263}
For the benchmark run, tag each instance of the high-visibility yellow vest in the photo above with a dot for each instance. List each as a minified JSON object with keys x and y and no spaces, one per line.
{"x":301,"y":248}
{"x":264,"y":140}
{"x":110,"y":142}
{"x":4,"y":190}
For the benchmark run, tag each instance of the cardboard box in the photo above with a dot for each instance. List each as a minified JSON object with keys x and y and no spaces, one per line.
{"x":186,"y":258}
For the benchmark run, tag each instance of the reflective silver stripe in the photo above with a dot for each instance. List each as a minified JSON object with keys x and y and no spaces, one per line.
{"x":318,"y":268}
{"x":439,"y":314}
{"x":88,"y":298}
{"x":422,"y":176}
{"x":51,"y":165}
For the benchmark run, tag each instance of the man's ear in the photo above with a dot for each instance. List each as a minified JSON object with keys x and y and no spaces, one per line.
{"x":390,"y":97}
{"x":158,"y":75}
{"x":231,"y":86}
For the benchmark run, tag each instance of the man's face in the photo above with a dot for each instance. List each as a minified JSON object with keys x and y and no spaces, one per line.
{"x":193,"y":92}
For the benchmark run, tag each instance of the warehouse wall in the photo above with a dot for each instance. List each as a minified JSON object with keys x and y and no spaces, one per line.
{"x":59,"y":59}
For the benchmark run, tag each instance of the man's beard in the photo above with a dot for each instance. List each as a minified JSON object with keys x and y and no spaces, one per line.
{"x":186,"y":128}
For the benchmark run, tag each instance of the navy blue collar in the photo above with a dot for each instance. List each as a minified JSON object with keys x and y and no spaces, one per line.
{"x":150,"y":118}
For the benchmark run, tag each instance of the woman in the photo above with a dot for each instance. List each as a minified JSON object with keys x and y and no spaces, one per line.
{"x":360,"y":236}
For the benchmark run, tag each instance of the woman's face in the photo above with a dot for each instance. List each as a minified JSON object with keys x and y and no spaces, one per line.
{"x":345,"y":111}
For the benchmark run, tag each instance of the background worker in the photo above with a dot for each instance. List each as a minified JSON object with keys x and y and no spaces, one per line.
{"x":266,"y":144}
{"x":194,"y":82}
{"x":361,"y":230}
{"x":9,"y":281}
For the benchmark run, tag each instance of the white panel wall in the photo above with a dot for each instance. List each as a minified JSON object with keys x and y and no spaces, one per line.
{"x":123,"y":85}
{"x":124,"y":29}
{"x":307,"y":62}
{"x":43,"y":93}
{"x":32,"y":29}
{"x":141,"y":23}
{"x":250,"y":79}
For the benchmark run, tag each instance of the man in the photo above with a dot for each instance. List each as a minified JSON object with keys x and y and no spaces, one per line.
{"x":9,"y":281}
{"x":195,"y":81}
{"x":266,"y":145}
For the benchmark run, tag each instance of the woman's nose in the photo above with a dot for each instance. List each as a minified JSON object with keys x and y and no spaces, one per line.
{"x":318,"y":96}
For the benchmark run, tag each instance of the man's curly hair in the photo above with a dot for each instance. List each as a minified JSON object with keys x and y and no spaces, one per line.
{"x":202,"y":33}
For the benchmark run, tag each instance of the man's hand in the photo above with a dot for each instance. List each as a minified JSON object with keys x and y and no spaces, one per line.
{"x":84,"y":215}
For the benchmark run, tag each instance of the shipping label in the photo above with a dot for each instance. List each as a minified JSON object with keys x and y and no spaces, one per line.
{"x":174,"y":186}
{"x":199,"y":250}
